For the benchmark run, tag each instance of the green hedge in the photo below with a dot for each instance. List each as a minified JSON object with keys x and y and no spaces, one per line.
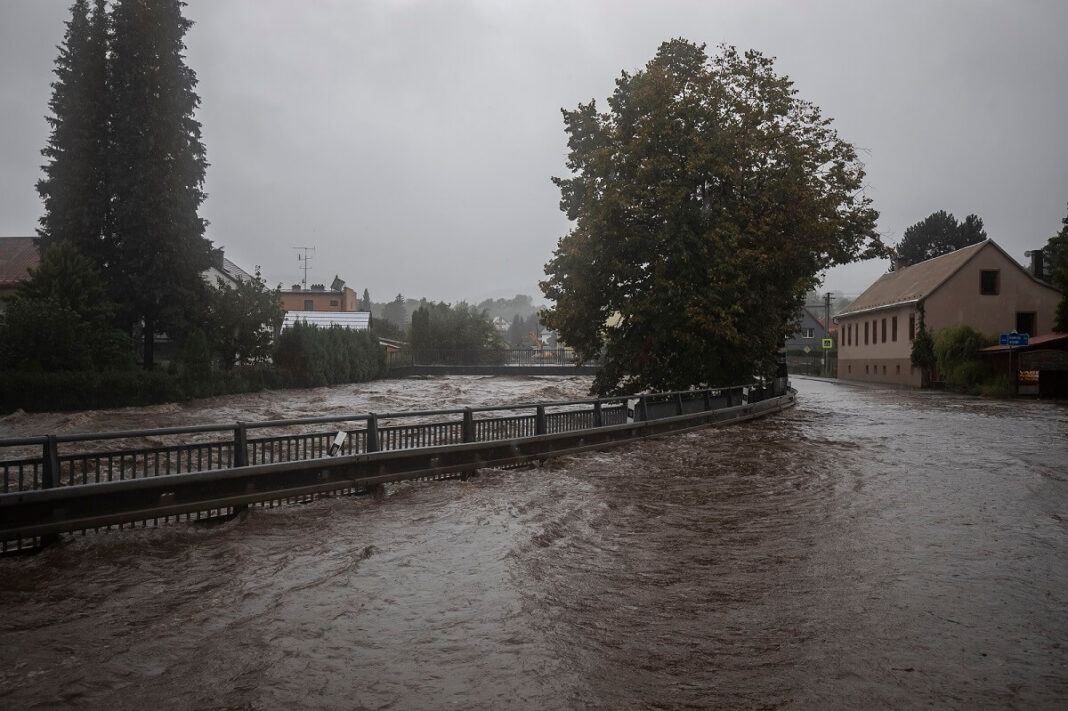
{"x":62,"y":391}
{"x":312,"y":356}
{"x":306,"y":356}
{"x":956,"y":349}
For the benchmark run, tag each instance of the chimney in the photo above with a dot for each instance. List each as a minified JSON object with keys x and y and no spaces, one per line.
{"x":1037,"y":266}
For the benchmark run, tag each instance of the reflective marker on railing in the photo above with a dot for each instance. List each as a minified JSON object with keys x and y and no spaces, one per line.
{"x":338,"y":441}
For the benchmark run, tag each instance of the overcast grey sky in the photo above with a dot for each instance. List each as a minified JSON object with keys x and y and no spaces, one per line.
{"x":412,"y":142}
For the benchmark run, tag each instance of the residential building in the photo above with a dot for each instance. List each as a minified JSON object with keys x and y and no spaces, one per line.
{"x":980,"y":285}
{"x":227,"y":272}
{"x":17,"y":256}
{"x":810,"y":333}
{"x":318,"y":298}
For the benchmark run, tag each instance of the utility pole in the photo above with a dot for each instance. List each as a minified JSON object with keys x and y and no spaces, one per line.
{"x":304,"y":258}
{"x":826,"y":327}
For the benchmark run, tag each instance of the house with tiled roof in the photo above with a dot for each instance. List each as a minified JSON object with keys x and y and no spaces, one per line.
{"x":980,"y":285}
{"x":810,"y":332}
{"x":225,"y":271}
{"x":17,"y":256}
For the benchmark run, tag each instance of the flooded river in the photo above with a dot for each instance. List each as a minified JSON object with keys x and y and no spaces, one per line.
{"x":868,"y":549}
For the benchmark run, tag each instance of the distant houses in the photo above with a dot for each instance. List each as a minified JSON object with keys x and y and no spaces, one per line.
{"x":809,"y":334}
{"x":317,"y":305}
{"x":980,"y":285}
{"x":318,"y":298}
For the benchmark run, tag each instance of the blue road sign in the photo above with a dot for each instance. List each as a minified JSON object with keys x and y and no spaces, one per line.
{"x":1014,"y":339}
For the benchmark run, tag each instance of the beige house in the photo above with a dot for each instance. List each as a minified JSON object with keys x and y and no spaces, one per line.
{"x":980,"y":285}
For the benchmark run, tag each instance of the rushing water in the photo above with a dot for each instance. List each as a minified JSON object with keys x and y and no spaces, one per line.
{"x":870,"y":548}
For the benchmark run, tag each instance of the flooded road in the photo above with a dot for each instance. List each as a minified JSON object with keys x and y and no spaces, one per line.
{"x":870,"y":548}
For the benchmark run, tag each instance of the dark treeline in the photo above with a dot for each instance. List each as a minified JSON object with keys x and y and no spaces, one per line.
{"x":493,"y":323}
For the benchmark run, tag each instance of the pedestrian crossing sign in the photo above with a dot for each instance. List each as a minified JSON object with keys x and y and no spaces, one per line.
{"x":828,"y":343}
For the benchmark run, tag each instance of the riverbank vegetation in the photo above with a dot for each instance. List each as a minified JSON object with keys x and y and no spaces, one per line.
{"x":962,"y":367}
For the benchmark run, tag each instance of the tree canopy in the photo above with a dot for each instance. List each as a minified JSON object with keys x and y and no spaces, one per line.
{"x":460,"y":327}
{"x":241,"y":321}
{"x":396,"y":312}
{"x":1055,"y":255}
{"x":705,"y":203}
{"x":125,"y":171}
{"x":74,"y":188}
{"x":61,"y":317}
{"x":937,"y":234}
{"x":156,"y":167}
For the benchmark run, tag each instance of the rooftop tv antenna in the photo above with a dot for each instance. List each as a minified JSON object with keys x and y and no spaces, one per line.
{"x":304,"y":258}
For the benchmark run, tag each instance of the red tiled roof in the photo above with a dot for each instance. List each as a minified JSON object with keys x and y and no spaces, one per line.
{"x":17,"y":256}
{"x":1048,"y":339}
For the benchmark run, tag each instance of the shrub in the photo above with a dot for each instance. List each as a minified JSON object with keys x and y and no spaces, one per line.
{"x":311,"y":356}
{"x":956,"y":351}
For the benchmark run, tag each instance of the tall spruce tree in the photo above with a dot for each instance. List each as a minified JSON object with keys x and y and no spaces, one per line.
{"x":74,"y":187}
{"x":156,"y":169}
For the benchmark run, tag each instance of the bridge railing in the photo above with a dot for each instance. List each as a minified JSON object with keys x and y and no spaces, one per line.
{"x":499,"y":357}
{"x":47,"y":461}
{"x":61,"y":460}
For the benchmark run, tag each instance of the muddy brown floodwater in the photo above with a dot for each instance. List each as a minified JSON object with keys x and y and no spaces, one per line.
{"x":867,"y":549}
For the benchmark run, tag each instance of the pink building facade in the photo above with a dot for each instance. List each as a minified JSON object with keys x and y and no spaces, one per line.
{"x":980,"y":285}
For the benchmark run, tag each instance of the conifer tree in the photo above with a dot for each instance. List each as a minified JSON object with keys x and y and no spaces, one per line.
{"x":74,"y":187}
{"x":156,"y":169}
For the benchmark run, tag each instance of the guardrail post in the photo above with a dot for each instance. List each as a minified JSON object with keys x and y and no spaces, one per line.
{"x":708,"y":400}
{"x":372,"y":433}
{"x":469,"y":425}
{"x":467,"y":432}
{"x":50,"y":477}
{"x":240,"y":445}
{"x":678,"y":404}
{"x":540,"y":423}
{"x":50,"y":462}
{"x":240,"y":457}
{"x":598,"y":415}
{"x":643,"y":407}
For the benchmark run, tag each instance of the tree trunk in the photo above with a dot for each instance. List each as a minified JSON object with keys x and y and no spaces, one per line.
{"x":149,"y":337}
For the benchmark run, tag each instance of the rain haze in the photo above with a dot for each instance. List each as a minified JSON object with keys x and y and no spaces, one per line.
{"x":412,"y":143}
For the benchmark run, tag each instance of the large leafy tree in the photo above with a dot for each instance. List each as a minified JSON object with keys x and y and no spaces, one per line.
{"x":156,"y":169}
{"x":1056,"y":255}
{"x":74,"y":187}
{"x":705,"y":202}
{"x":242,"y":320}
{"x":937,"y":234}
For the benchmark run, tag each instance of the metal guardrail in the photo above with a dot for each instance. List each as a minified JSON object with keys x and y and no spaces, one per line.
{"x":93,"y":487}
{"x":504,"y":357}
